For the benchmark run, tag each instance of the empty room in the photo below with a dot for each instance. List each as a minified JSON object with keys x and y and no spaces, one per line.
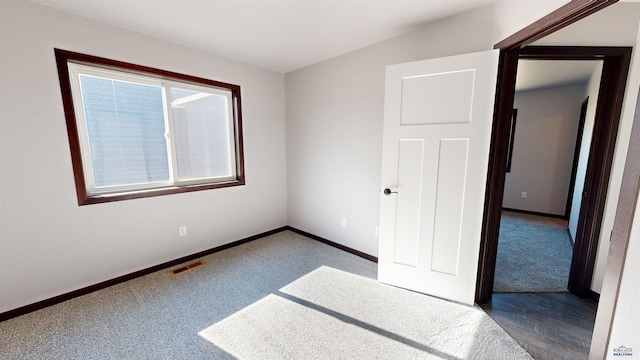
{"x":294,"y":179}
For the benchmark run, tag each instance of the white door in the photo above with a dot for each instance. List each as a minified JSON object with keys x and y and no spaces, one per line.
{"x":437,"y":128}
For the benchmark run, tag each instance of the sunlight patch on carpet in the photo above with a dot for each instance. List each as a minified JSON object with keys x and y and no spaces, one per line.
{"x":332,"y":313}
{"x":277,"y":328}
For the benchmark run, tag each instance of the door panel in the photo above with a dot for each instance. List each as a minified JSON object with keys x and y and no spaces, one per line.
{"x":437,"y":127}
{"x":452,"y":175}
{"x":410,"y":158}
{"x":426,"y":99}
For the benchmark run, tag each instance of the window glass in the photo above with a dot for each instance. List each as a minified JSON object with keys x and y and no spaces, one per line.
{"x":125,"y":127}
{"x":201,"y":133}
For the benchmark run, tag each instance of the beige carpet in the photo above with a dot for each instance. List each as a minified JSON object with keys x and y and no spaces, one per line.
{"x":281,"y":297}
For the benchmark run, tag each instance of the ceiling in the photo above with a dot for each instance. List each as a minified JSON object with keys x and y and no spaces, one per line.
{"x":541,"y":74}
{"x":276,"y":35}
{"x":287,"y":35}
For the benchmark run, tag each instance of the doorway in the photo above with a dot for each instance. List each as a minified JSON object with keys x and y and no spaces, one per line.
{"x":534,"y":252}
{"x":547,"y":154}
{"x":510,"y":48}
{"x":609,"y":105}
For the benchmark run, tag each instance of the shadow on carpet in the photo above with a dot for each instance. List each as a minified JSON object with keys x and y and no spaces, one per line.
{"x":331,"y":314}
{"x":534,"y":254}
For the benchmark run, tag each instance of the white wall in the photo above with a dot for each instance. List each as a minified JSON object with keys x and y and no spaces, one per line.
{"x":543,"y":149}
{"x":335,"y":113}
{"x":624,"y":331}
{"x":593,"y":86}
{"x":48,"y":244}
{"x":334,"y":128}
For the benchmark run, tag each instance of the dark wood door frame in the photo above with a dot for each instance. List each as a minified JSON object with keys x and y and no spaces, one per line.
{"x":607,"y":117}
{"x":608,"y":109}
{"x":625,"y":212}
{"x":505,"y":91}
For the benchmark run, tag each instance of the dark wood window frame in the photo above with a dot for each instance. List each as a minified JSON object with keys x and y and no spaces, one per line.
{"x":63,"y":58}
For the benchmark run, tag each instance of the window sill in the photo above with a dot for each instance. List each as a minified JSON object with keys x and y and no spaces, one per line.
{"x":84,"y":199}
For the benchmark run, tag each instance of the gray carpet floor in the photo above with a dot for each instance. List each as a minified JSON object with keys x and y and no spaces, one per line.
{"x":534,"y":254}
{"x":280,"y":297}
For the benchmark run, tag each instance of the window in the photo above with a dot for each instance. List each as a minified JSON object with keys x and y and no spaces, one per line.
{"x":136,"y":131}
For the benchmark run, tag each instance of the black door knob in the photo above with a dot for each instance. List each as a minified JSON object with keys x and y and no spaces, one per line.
{"x":388,"y":192}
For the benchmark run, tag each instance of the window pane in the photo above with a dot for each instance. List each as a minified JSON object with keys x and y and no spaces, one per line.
{"x":126,"y":127}
{"x":201,"y":134}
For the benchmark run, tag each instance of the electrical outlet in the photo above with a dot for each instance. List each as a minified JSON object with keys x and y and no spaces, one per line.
{"x":524,"y":194}
{"x":344,"y":222}
{"x":182,"y":231}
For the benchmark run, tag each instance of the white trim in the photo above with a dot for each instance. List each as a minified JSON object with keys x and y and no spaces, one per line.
{"x":188,"y":99}
{"x":168,"y":131}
